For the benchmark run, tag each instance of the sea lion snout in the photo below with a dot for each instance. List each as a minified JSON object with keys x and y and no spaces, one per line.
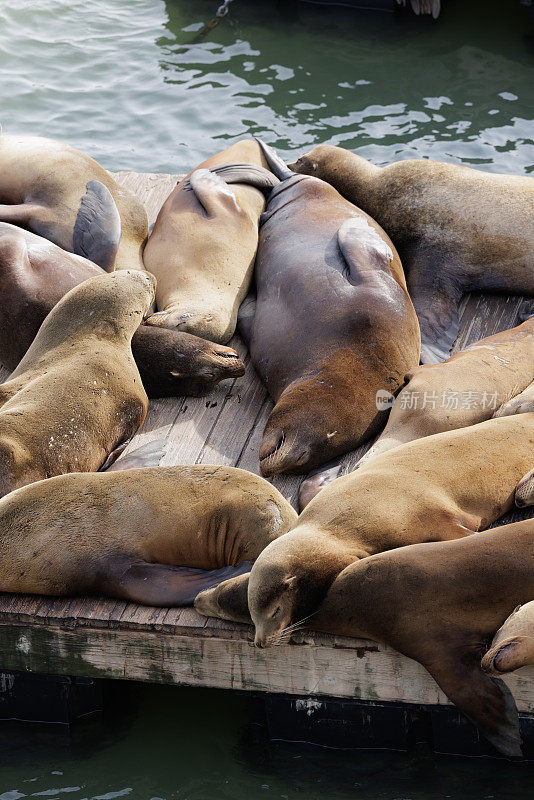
{"x":505,"y":657}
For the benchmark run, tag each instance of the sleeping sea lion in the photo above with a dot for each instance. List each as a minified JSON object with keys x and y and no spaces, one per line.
{"x":76,"y":398}
{"x":204,"y":242}
{"x":484,"y":380}
{"x":440,"y":604}
{"x":513,"y":644}
{"x":63,"y":195}
{"x":124,"y":534}
{"x":35,"y":274}
{"x":441,"y":487}
{"x":456,"y":228}
{"x":332,"y":325}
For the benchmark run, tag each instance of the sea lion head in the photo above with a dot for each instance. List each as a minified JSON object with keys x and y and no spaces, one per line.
{"x":513,"y":644}
{"x":272,"y":601}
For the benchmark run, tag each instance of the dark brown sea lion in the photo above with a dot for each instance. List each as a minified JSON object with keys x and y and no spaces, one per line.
{"x":445,"y":486}
{"x":490,"y":378}
{"x":59,"y":193}
{"x":204,"y":242}
{"x":124,"y":534}
{"x":440,"y":604}
{"x":456,"y":229}
{"x":35,"y":274}
{"x":76,"y":398}
{"x":513,"y":644}
{"x":333,"y":323}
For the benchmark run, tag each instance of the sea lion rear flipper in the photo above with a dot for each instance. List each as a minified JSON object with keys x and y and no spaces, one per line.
{"x":149,"y":455}
{"x":241,"y":172}
{"x":485,"y":700}
{"x":161,"y":584}
{"x":524,"y":493}
{"x":97,"y":230}
{"x":245,"y":317}
{"x":316,"y":480}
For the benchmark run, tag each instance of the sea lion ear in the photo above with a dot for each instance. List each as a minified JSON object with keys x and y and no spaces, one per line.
{"x":97,"y":230}
{"x":290,"y":582}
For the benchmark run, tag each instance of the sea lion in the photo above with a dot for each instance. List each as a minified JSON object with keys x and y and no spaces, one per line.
{"x":438,"y":603}
{"x":456,"y":228}
{"x":35,"y":274}
{"x":441,"y":487}
{"x":204,"y":242}
{"x":513,"y":644}
{"x":123,"y":534}
{"x":60,"y":193}
{"x":76,"y":398}
{"x":484,"y":380}
{"x":333,"y":322}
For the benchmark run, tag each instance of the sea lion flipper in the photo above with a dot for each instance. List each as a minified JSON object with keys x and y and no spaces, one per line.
{"x":242,"y":172}
{"x":149,"y":455}
{"x":97,"y":230}
{"x":211,"y":190}
{"x":485,"y":700}
{"x":524,"y":493}
{"x":245,"y":317}
{"x":522,"y":403}
{"x":437,"y":311}
{"x":316,"y":480}
{"x":279,"y":167}
{"x":227,"y":600}
{"x":162,"y":584}
{"x":114,"y":454}
{"x":359,"y":242}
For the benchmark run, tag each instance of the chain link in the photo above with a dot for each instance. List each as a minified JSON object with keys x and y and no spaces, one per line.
{"x":222,"y":11}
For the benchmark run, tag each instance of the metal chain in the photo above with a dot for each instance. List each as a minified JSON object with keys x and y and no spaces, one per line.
{"x":221,"y":12}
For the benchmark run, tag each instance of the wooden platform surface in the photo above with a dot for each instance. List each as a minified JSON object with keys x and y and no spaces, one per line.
{"x":106,"y":638}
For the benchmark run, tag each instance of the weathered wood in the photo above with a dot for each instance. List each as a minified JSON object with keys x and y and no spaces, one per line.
{"x":98,"y":637}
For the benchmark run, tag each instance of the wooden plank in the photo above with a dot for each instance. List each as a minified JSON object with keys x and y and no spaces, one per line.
{"x":370,"y":672}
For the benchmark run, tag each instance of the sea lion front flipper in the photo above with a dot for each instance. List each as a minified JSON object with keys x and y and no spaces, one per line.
{"x":436,"y":305}
{"x":316,"y":480}
{"x":524,"y":493}
{"x":212,"y":191}
{"x":360,"y":244}
{"x":149,"y":455}
{"x":485,"y":700}
{"x":162,"y":584}
{"x":245,"y":317}
{"x":242,"y":172}
{"x":228,"y":600}
{"x":114,"y":454}
{"x":97,"y":230}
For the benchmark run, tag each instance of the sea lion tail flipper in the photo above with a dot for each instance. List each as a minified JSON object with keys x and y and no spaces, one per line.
{"x":487,"y":701}
{"x":245,"y":317}
{"x":316,"y":480}
{"x":97,"y":230}
{"x":524,"y":493}
{"x":250,"y":174}
{"x":148,"y":455}
{"x":154,"y":584}
{"x":276,"y":165}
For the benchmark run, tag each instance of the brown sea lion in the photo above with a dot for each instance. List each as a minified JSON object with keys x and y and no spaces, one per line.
{"x":332,"y":324}
{"x":35,"y":274}
{"x":441,"y":487}
{"x":513,"y":644}
{"x":76,"y":398}
{"x":204,"y":242}
{"x":440,"y":604}
{"x":484,"y":380}
{"x":60,"y":193}
{"x":124,"y":533}
{"x":456,"y":228}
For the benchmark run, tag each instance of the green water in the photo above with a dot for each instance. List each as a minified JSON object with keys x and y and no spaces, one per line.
{"x":120,"y":80}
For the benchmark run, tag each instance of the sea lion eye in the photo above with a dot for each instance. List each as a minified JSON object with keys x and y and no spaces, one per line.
{"x":275,"y":612}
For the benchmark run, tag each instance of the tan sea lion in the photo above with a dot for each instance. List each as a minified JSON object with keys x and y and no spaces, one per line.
{"x":440,"y":604}
{"x":456,"y":228}
{"x":484,"y":380}
{"x":332,"y":325}
{"x":124,"y":534}
{"x":513,"y":644}
{"x":59,"y":193}
{"x":445,"y":486}
{"x":76,"y":398}
{"x":204,"y":242}
{"x":35,"y":274}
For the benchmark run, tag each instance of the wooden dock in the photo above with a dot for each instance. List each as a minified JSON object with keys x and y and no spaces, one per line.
{"x":105,"y":638}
